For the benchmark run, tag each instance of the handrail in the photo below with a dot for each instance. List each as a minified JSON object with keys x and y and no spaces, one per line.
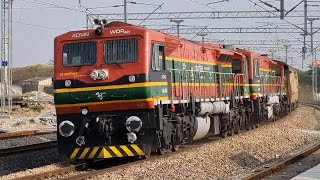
{"x":271,"y":84}
{"x":202,"y":82}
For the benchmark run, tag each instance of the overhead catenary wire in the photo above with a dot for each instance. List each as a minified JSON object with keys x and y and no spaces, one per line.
{"x":284,"y":20}
{"x":237,"y":20}
{"x":54,"y":5}
{"x":39,"y":26}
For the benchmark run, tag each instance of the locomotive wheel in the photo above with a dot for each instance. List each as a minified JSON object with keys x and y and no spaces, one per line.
{"x":224,"y":131}
{"x":248,"y":127}
{"x":238,"y":125}
{"x":237,"y":129}
{"x":175,"y":147}
{"x":243,"y":122}
{"x":161,"y":151}
{"x":231,"y":131}
{"x":224,"y":134}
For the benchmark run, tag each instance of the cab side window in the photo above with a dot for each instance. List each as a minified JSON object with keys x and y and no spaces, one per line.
{"x":158,"y":57}
{"x":236,"y":66}
{"x":278,"y":71}
{"x":245,"y":67}
{"x":256,"y":68}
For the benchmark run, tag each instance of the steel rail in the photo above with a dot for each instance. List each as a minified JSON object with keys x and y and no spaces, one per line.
{"x":53,"y":173}
{"x":17,"y":134}
{"x":284,"y":163}
{"x":116,"y":166}
{"x":92,"y":174}
{"x":289,"y":160}
{"x":27,"y":148}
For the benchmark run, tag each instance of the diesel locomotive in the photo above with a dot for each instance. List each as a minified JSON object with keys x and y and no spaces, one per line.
{"x":123,"y":90}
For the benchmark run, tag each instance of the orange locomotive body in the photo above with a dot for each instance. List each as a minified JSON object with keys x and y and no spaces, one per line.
{"x":123,"y":90}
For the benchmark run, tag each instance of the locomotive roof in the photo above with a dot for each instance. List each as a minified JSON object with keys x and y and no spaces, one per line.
{"x":280,"y":62}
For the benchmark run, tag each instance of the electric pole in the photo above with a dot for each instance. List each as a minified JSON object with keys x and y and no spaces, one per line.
{"x":6,"y":57}
{"x":272,"y":53}
{"x":305,"y":33}
{"x":286,"y":46}
{"x":125,"y":10}
{"x":202,"y":36}
{"x":178,"y":22}
{"x":314,"y":61}
{"x":282,"y":9}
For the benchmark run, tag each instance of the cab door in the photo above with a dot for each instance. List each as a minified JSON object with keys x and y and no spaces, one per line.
{"x":159,"y":76}
{"x":246,"y":88}
{"x":255,"y":85}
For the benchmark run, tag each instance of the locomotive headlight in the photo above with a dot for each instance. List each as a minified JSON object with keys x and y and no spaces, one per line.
{"x":66,"y":128}
{"x":67,"y":83}
{"x":94,"y":74}
{"x":103,"y":74}
{"x":98,"y":31}
{"x":133,"y":124}
{"x":96,"y":21}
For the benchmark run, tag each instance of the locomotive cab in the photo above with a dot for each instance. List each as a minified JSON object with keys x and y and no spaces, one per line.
{"x":104,"y":93}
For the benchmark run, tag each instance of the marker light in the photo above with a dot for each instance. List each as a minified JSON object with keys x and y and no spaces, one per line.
{"x":67,"y":83}
{"x":84,"y":111}
{"x":132,"y":79}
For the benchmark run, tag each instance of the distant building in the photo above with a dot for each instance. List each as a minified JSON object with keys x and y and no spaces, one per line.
{"x":36,"y":84}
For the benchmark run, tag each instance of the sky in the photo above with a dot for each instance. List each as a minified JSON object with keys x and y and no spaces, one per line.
{"x":37,"y":22}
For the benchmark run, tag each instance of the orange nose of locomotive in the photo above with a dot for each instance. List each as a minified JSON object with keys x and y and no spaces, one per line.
{"x":102,"y":92}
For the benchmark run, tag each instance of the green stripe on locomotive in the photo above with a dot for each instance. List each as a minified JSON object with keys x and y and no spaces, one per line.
{"x":110,"y":95}
{"x":194,"y":77}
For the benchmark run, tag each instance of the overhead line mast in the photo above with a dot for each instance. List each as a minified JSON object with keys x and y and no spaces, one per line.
{"x":6,"y":58}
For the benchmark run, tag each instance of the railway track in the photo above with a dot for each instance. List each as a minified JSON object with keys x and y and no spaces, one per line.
{"x":290,"y":160}
{"x":54,"y":173}
{"x":284,"y":163}
{"x":84,"y":171}
{"x":27,"y":148}
{"x":18,"y":134}
{"x":77,"y":172}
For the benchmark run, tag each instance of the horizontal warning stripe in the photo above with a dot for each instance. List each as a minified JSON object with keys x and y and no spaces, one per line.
{"x":190,"y":61}
{"x":107,"y":152}
{"x":111,"y":102}
{"x":133,"y":85}
{"x":194,"y":61}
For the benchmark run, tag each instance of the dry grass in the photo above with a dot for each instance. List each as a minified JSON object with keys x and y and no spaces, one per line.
{"x":39,"y":70}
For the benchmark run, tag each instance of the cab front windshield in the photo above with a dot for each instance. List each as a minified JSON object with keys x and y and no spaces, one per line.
{"x":115,"y":52}
{"x":79,"y":54}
